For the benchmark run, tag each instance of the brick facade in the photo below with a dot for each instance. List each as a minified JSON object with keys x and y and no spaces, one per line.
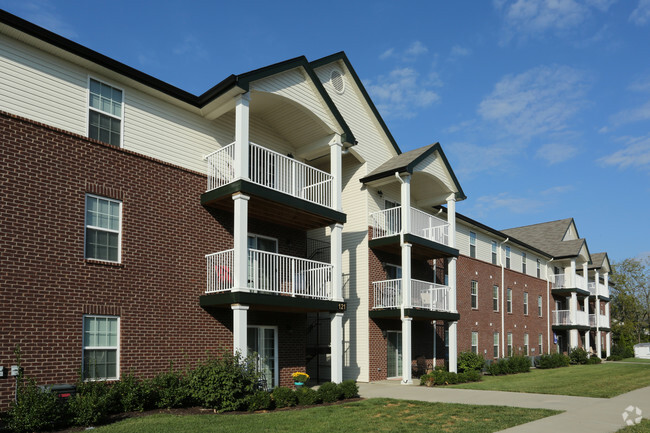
{"x":47,"y":285}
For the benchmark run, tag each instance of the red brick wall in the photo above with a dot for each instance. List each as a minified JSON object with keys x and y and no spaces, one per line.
{"x":47,"y":285}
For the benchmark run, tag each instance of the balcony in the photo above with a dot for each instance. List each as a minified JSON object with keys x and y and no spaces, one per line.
{"x":593,"y":288}
{"x":563,"y":318}
{"x":425,"y":296}
{"x":603,"y":322}
{"x":271,"y":273}
{"x":288,"y":192}
{"x":562,"y":282}
{"x":430,"y":235}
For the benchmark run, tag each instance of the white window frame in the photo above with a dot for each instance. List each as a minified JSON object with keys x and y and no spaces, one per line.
{"x":509,"y":301}
{"x":526,"y":344}
{"x":525,"y":303}
{"x":472,"y":243}
{"x":540,"y":310}
{"x":84,"y":348}
{"x":475,"y":342}
{"x":276,"y":363}
{"x":495,"y":345}
{"x":86,"y":227}
{"x":494,"y":253}
{"x":88,"y":108}
{"x":523,"y":262}
{"x":507,"y":257}
{"x":539,"y":268}
{"x":396,"y":267}
{"x":509,"y":347}
{"x":474,"y":294}
{"x":495,"y":290}
{"x":540,"y":343}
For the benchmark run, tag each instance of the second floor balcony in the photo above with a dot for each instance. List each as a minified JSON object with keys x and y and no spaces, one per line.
{"x":603,"y":321}
{"x":564,"y":318}
{"x":565,"y":282}
{"x":424,"y":295}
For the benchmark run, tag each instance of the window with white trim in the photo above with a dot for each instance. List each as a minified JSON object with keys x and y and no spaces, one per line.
{"x":508,"y":257}
{"x":525,"y":303}
{"x":472,"y":244}
{"x":101,"y":346}
{"x":509,"y":301}
{"x":103,"y":228}
{"x":496,"y":344}
{"x":526,"y":341}
{"x":494,"y":252}
{"x":509,"y":343}
{"x":495,"y":298}
{"x":474,"y":295}
{"x":540,"y":343}
{"x":105,"y":115}
{"x":475,"y":342}
{"x":539,"y":268}
{"x":539,"y":306}
{"x":523,"y":262}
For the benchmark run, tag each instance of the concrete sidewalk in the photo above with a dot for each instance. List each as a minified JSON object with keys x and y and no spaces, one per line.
{"x":586,"y":414}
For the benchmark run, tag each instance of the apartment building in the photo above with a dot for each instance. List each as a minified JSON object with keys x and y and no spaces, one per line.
{"x":273,"y":214}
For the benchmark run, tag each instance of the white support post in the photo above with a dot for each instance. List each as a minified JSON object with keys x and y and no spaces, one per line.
{"x":406,"y":276}
{"x":405,"y":196}
{"x":240,"y":235}
{"x":573,"y":313}
{"x":242,"y":135}
{"x":336,"y":170}
{"x":406,"y":351}
{"x":453,"y":327}
{"x":585,"y":274}
{"x":406,"y":247}
{"x":572,"y":281}
{"x":608,"y":344}
{"x":240,"y":329}
{"x":606,"y":281}
{"x":336,"y":334}
{"x":336,"y":239}
{"x":548,"y":311}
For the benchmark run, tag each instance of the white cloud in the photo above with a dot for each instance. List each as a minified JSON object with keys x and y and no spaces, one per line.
{"x":416,"y":49}
{"x":556,"y":152}
{"x":537,"y":101}
{"x":560,"y":189}
{"x":410,"y":54}
{"x":601,"y":5}
{"x":462,"y":126}
{"x":603,"y":130}
{"x":505,"y":202}
{"x":641,"y":84}
{"x":474,"y":159}
{"x":641,"y":15}
{"x":457,"y":52}
{"x":635,"y":153}
{"x":386,"y":54}
{"x":632,"y":115}
{"x":44,"y":14}
{"x":401,"y":93}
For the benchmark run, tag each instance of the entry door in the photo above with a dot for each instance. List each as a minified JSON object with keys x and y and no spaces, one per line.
{"x":262,"y":270}
{"x":263,"y":342}
{"x":394,"y":353}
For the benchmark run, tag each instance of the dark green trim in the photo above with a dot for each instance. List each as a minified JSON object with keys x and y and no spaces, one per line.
{"x":413,"y":239}
{"x":248,"y":187}
{"x":340,"y":56}
{"x":263,"y":299}
{"x":604,"y":298}
{"x":569,"y":290}
{"x":565,"y":327}
{"x":415,"y":313}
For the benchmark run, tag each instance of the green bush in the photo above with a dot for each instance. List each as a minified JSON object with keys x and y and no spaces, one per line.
{"x":329,"y":392}
{"x":470,"y":361}
{"x":169,"y":389}
{"x":131,"y":394}
{"x":349,"y":389}
{"x":554,"y":360}
{"x":223,"y":383}
{"x":472,"y":376}
{"x":594,"y":360}
{"x":284,"y":397}
{"x":307,"y":396}
{"x":92,"y":404}
{"x":260,"y":400}
{"x":441,"y":377}
{"x":622,"y":351}
{"x":35,"y":409}
{"x":512,"y":365}
{"x":615,"y":358}
{"x":578,"y":355}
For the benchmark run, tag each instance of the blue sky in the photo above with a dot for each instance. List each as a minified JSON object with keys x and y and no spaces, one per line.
{"x":542,"y":107}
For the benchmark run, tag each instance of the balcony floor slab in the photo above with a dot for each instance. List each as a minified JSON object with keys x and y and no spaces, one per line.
{"x":423,"y":249}
{"x":270,"y":302}
{"x":415,"y":313}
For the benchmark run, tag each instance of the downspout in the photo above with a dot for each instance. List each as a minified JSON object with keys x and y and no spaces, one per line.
{"x":503,"y":299}
{"x":401,"y":244}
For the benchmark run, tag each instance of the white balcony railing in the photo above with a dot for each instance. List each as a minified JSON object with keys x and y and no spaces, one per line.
{"x":388,"y":222}
{"x":562,"y":281}
{"x":559,"y":281}
{"x":592,"y":320}
{"x":581,"y":282}
{"x":563,"y":317}
{"x":272,"y":273}
{"x":603,"y":321}
{"x":272,"y":170}
{"x":425,"y":295}
{"x":593,"y":288}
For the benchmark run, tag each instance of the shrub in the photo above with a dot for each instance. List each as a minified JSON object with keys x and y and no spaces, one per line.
{"x":35,"y":409}
{"x":169,"y":389}
{"x":519,"y":364}
{"x":260,"y":400}
{"x":92,"y":404}
{"x":622,"y":351}
{"x":223,"y":383}
{"x":615,"y":358}
{"x":554,"y":360}
{"x":307,"y":396}
{"x":284,"y":397}
{"x":578,"y":355}
{"x":470,"y":361}
{"x":329,"y":392}
{"x":349,"y":389}
{"x":594,"y":360}
{"x":130,"y":394}
{"x":472,"y":376}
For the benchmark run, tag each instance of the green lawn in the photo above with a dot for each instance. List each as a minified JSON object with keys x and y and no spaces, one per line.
{"x":601,"y":380}
{"x":379,"y":415}
{"x":635,"y":360}
{"x":643,"y":427}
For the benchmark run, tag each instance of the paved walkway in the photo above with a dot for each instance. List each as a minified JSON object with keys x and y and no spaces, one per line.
{"x":582,"y":414}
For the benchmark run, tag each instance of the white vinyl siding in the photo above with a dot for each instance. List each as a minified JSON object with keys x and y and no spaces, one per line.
{"x":472,"y":244}
{"x":523,"y":262}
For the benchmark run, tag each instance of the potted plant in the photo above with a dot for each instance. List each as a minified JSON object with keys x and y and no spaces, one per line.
{"x":299,"y":378}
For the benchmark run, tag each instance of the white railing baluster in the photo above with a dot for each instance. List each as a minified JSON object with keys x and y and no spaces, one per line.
{"x":425,"y":295}
{"x":219,"y":275}
{"x":221,"y":169}
{"x":388,"y":222}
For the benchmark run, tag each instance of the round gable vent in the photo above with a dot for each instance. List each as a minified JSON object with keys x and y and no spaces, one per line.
{"x":336,"y":78}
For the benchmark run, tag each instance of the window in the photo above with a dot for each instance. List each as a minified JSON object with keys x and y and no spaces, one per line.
{"x":494,"y":252}
{"x":474,"y":295}
{"x":523,"y":262}
{"x":105,"y":113}
{"x":539,"y":268}
{"x":496,"y":344}
{"x":472,"y":244}
{"x":526,"y":341}
{"x":539,"y":306}
{"x":446,"y":337}
{"x":540,"y":343}
{"x":509,"y":343}
{"x":509,"y":301}
{"x":508,"y":257}
{"x":495,"y":298}
{"x":393,"y":272}
{"x":103,"y":228}
{"x":101,"y":336}
{"x":475,"y":342}
{"x":525,"y":303}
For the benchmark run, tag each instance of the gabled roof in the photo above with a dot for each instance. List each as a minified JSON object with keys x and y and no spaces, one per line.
{"x":599,"y":260}
{"x":548,"y":237}
{"x":241,"y":81}
{"x":406,"y":163}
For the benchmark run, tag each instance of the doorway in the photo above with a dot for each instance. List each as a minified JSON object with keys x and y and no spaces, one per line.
{"x":394,"y":354}
{"x":263,"y":341}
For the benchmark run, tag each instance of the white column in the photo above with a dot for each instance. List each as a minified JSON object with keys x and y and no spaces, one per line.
{"x":240,"y":329}
{"x":573,"y":312}
{"x":548,"y":311}
{"x":609,"y":322}
{"x":242,"y":135}
{"x":405,"y":196}
{"x":585,"y":275}
{"x":406,"y":351}
{"x":572,"y":278}
{"x":608,"y":344}
{"x":606,"y":280}
{"x":240,"y":235}
{"x":453,"y":326}
{"x":336,"y":171}
{"x":336,"y":334}
{"x":406,"y":276}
